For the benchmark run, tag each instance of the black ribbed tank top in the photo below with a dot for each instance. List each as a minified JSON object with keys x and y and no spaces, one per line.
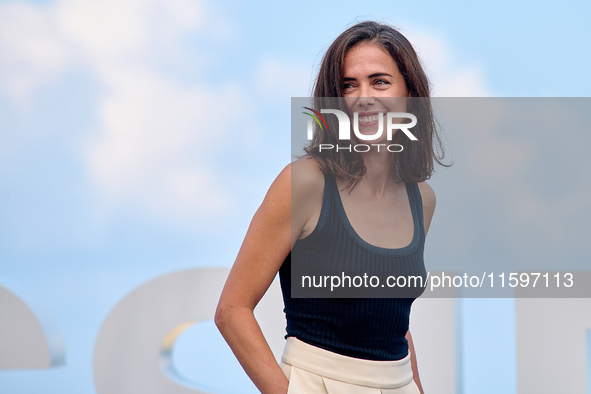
{"x":367,"y":328}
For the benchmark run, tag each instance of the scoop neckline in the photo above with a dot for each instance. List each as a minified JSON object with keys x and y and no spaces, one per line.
{"x":405,"y":250}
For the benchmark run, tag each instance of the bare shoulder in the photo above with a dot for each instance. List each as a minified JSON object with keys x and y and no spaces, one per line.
{"x":429,"y":202}
{"x":306,"y":175}
{"x":427,"y":194}
{"x":297,"y":182}
{"x":306,"y":196}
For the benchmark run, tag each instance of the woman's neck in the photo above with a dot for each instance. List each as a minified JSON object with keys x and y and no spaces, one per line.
{"x":379,"y":175}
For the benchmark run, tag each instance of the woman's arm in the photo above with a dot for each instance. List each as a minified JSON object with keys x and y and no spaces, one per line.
{"x":429,"y":201}
{"x":268,"y":241}
{"x":265,"y":246}
{"x":413,"y":362}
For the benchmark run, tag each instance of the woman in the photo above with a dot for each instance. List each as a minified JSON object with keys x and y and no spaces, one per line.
{"x":341,"y":345}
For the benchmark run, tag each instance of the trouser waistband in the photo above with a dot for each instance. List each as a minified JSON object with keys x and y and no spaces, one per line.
{"x":369,"y":373}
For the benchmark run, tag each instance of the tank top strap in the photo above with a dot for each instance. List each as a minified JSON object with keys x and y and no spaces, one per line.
{"x":416,"y":205}
{"x":329,"y":191}
{"x":329,"y":188}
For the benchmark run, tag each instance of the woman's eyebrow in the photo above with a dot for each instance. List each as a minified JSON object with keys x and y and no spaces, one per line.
{"x":380,"y":75}
{"x":376,"y":75}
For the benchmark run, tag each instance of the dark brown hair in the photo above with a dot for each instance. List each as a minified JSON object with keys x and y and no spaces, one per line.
{"x":415,"y":163}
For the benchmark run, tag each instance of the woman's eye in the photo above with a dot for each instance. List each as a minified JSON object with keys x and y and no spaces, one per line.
{"x":380,"y":82}
{"x":347,"y":88}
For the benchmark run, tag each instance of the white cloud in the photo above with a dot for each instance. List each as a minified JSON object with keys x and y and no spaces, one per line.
{"x":154,"y":144}
{"x":113,"y":31}
{"x":449,"y":76}
{"x":147,"y":148}
{"x":31,"y":51}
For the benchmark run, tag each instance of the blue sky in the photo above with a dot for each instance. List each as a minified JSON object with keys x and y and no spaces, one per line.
{"x":109,"y":111}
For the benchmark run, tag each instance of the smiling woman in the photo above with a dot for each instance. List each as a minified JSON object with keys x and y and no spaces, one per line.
{"x":371,"y":72}
{"x":370,"y":80}
{"x":347,"y":212}
{"x":378,"y":65}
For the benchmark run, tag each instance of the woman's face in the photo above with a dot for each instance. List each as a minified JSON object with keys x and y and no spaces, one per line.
{"x":372,"y":84}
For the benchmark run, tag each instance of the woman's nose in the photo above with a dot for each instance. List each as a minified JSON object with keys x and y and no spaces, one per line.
{"x":365,"y":98}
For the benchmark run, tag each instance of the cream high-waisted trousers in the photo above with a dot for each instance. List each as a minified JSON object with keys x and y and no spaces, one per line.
{"x":312,"y":370}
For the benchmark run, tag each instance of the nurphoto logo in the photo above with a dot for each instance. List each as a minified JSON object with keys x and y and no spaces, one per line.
{"x":392,"y":119}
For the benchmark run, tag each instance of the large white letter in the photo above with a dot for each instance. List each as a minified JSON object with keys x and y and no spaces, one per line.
{"x":402,"y":126}
{"x":364,"y":137}
{"x":436,"y":344}
{"x":551,"y":348}
{"x":344,"y":123}
{"x":133,"y":349}
{"x":28,"y":336}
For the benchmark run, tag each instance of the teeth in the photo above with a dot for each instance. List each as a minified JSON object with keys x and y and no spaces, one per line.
{"x":368,"y":119}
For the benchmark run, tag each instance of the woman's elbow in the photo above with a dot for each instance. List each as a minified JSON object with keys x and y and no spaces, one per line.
{"x":230,"y":314}
{"x":221,"y":316}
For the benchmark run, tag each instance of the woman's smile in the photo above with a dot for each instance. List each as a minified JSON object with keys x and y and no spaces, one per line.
{"x":368,"y":119}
